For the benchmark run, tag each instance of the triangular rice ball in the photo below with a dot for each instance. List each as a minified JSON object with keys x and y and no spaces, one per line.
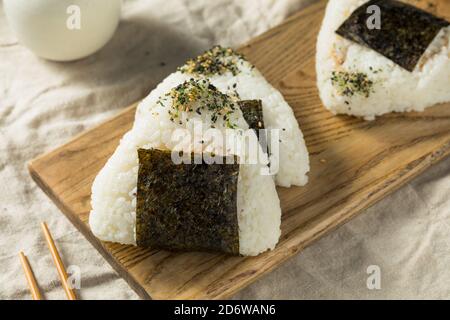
{"x":115,"y":193}
{"x":357,"y":80}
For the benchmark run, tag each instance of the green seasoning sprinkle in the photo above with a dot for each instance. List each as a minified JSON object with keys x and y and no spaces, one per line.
{"x":375,"y":71}
{"x":198,"y":95}
{"x":351,"y":83}
{"x":217,"y":60}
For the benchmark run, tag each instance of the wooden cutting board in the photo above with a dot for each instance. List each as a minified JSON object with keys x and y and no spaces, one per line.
{"x":354,"y":163}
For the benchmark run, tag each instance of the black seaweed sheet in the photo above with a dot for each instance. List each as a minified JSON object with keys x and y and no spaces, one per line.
{"x":253,"y":114}
{"x":186,"y":206}
{"x":405,"y":34}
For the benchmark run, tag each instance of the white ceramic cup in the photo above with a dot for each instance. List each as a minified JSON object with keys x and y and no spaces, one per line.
{"x":63,"y":30}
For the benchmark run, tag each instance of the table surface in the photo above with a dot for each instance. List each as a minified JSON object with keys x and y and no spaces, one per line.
{"x":42,"y":104}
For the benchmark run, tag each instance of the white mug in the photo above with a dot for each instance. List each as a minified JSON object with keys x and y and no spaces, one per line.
{"x":63,"y":30}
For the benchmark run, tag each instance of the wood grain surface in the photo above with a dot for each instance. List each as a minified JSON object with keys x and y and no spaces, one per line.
{"x":354,"y":163}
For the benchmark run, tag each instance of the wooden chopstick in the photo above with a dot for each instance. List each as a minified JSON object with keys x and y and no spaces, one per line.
{"x":58,"y":263}
{"x":32,"y":284}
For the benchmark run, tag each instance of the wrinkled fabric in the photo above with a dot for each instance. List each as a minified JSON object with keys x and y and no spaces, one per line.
{"x":43,"y":104}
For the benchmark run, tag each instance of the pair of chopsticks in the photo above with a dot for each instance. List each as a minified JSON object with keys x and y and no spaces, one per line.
{"x":35,"y":293}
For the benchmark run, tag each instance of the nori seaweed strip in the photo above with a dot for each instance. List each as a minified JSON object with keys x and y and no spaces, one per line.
{"x":187,"y":206}
{"x":405,"y":34}
{"x":252,"y":112}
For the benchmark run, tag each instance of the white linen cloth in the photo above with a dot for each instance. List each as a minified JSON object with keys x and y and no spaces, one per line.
{"x":43,"y":104}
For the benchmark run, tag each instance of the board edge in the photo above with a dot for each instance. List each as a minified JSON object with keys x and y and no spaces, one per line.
{"x":82,"y":227}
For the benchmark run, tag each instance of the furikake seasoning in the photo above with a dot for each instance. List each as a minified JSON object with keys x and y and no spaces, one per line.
{"x":186,"y":206}
{"x":350,"y":83}
{"x":216,"y":61}
{"x":404,"y":35}
{"x":198,"y":95}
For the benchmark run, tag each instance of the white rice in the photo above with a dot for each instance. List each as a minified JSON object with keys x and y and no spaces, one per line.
{"x":394,"y":88}
{"x":113,"y":215}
